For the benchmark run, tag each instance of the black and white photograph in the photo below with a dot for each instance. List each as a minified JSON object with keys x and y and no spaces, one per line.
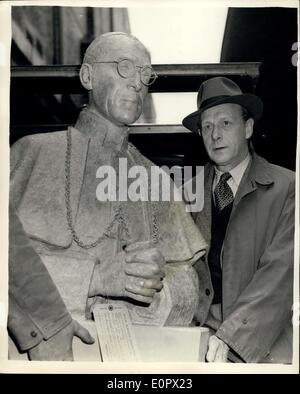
{"x":149,"y":197}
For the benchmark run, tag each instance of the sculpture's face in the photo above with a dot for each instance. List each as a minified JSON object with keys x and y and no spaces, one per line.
{"x":119,"y":99}
{"x":225,"y":135}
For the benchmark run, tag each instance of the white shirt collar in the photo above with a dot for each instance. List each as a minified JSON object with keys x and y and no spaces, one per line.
{"x":236,"y":172}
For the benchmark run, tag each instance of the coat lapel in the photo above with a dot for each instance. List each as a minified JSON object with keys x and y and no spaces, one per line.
{"x":203,"y":218}
{"x":256,"y":173}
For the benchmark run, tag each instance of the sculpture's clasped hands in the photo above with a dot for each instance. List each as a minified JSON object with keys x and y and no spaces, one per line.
{"x":144,"y":271}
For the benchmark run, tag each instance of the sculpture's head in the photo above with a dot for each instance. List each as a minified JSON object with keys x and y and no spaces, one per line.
{"x":117,"y":70}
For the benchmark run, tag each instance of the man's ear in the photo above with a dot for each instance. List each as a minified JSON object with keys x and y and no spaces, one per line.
{"x":249,"y":127}
{"x":85,"y":75}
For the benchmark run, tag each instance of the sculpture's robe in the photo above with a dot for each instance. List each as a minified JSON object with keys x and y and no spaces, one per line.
{"x":38,"y":192}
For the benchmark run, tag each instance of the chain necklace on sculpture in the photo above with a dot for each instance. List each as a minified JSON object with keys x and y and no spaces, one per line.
{"x":154,"y":210}
{"x":118,"y":217}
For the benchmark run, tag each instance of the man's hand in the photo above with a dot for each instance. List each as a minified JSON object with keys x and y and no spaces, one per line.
{"x":59,"y":347}
{"x":143,"y":272}
{"x":217,"y":350}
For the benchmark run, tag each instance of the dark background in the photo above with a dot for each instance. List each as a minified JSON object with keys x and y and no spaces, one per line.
{"x":267,"y":35}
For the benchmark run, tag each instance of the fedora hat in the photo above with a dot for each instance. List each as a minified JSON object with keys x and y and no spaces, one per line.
{"x":221,"y":90}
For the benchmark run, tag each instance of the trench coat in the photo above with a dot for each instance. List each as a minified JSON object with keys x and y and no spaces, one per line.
{"x":257,"y":263}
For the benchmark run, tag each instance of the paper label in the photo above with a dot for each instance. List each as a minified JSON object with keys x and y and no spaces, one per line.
{"x":115,"y":333}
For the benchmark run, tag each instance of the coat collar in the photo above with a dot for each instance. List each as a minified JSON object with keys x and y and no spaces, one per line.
{"x":257,"y":173}
{"x":100,"y":131}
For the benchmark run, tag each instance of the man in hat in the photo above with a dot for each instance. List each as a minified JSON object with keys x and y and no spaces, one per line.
{"x":248,"y":221}
{"x":138,"y":254}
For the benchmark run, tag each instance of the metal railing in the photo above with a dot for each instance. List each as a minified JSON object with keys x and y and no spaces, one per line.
{"x":171,"y":78}
{"x":64,"y":79}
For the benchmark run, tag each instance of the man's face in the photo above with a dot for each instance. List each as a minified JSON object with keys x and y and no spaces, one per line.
{"x":119,"y":99}
{"x":225,"y":135}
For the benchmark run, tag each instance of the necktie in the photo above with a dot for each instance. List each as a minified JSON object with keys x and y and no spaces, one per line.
{"x":223,"y":192}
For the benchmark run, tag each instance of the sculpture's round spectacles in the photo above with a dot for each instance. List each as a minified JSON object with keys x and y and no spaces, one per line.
{"x":127,"y":69}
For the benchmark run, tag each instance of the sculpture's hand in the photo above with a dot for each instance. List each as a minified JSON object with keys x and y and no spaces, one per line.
{"x":217,"y":350}
{"x":143,"y":272}
{"x":59,"y":347}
